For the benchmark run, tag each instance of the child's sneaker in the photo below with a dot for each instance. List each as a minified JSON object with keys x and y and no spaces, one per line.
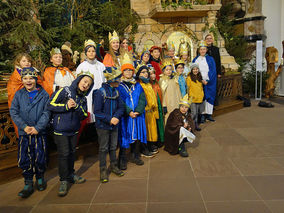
{"x":27,"y":191}
{"x":41,"y":184}
{"x":114,"y":169}
{"x":103,"y":175}
{"x":78,"y":180}
{"x":63,"y":188}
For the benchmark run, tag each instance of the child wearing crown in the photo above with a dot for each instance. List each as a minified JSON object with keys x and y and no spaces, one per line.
{"x":170,"y":88}
{"x":151,"y":111}
{"x":155,"y":60}
{"x":96,"y":68}
{"x":112,"y":58}
{"x":108,"y":109}
{"x":179,"y":65}
{"x":56,"y":76}
{"x":69,"y":107}
{"x":179,"y":129}
{"x":132,"y":128}
{"x":29,"y":112}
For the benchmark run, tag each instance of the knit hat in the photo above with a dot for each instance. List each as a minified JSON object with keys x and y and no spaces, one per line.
{"x":194,"y":65}
{"x":126,"y":63}
{"x":140,"y":68}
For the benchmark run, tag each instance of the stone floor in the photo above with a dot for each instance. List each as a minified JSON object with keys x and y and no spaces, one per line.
{"x":236,"y":165}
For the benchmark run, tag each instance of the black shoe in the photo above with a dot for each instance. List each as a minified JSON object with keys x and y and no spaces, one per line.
{"x":152,"y":147}
{"x":197,"y":128}
{"x":182,"y":150}
{"x":209,"y":118}
{"x":103,"y":175}
{"x":160,"y":144}
{"x":202,"y":119}
{"x":136,"y":159}
{"x":114,"y":169}
{"x":41,"y":184}
{"x":122,"y":160}
{"x":146,"y":153}
{"x":27,"y":191}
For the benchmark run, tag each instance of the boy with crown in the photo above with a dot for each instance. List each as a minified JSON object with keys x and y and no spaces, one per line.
{"x":56,"y":76}
{"x":29,"y":112}
{"x":96,"y":68}
{"x":179,"y":129}
{"x":112,"y":58}
{"x":132,"y":128}
{"x":69,"y":107}
{"x":155,"y":60}
{"x":108,"y":109}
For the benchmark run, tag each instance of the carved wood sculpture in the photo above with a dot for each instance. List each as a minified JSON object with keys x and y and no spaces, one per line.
{"x":271,"y":56}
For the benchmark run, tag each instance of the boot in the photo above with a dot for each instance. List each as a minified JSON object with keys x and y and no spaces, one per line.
{"x":103,"y":174}
{"x":41,"y":184}
{"x":145,"y":151}
{"x":63,"y":188}
{"x":28,"y":189}
{"x":209,"y":118}
{"x":203,"y":118}
{"x":114,"y":169}
{"x":197,"y":128}
{"x":122,"y":160}
{"x":136,"y":156}
{"x":78,"y":180}
{"x":152,"y":147}
{"x":182,"y":150}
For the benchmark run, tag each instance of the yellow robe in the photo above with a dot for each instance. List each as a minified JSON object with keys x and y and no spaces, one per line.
{"x":171,"y":93}
{"x":152,"y":112}
{"x":195,"y":90}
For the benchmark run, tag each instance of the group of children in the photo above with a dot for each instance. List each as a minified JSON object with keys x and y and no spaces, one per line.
{"x":129,"y":102}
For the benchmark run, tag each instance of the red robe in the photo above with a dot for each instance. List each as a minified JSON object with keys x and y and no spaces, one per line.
{"x":157,"y":67}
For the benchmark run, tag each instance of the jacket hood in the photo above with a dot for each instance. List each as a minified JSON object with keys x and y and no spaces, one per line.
{"x":74,"y":85}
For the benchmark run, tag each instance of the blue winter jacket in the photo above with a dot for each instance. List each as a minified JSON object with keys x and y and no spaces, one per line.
{"x":68,"y":121}
{"x":107,"y":104}
{"x":25,"y":113}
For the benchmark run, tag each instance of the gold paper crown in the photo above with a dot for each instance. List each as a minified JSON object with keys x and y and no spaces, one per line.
{"x":139,"y":66}
{"x":89,"y":43}
{"x":202,"y":44}
{"x":29,"y":71}
{"x":113,"y":37}
{"x":183,"y":50}
{"x":115,"y":73}
{"x":55,"y":51}
{"x":87,"y":73}
{"x":186,"y":101}
{"x":167,"y":62}
{"x":171,"y":45}
{"x":126,"y":59}
{"x":179,"y":61}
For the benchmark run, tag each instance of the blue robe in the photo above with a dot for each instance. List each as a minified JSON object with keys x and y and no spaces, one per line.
{"x":182,"y":85}
{"x":131,"y":129}
{"x":210,"y":88}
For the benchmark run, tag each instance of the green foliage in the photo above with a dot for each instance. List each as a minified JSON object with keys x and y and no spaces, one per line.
{"x":175,"y":5}
{"x":235,"y":45}
{"x":201,"y":2}
{"x":35,"y":26}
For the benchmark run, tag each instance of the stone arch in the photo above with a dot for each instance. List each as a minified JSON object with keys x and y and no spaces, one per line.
{"x":145,"y":37}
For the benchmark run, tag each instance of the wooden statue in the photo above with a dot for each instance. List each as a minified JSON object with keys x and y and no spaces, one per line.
{"x":271,"y":56}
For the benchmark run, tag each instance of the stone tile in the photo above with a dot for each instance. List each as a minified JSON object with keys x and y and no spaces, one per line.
{"x":87,"y":190}
{"x":122,"y":191}
{"x":272,"y":150}
{"x":205,"y":150}
{"x":268,"y":187}
{"x":170,"y":169}
{"x":276,"y":206}
{"x":213,"y":167}
{"x":118,"y":208}
{"x":261,"y":131}
{"x":173,"y":190}
{"x":280,"y":160}
{"x":61,"y":208}
{"x":226,"y":189}
{"x":258,"y":166}
{"x":179,"y":207}
{"x":209,"y":140}
{"x":164,"y":155}
{"x":237,"y":207}
{"x":91,"y":173}
{"x":221,"y":132}
{"x":232,"y":140}
{"x":264,"y":140}
{"x":241,"y":123}
{"x":16,"y":209}
{"x":233,"y":151}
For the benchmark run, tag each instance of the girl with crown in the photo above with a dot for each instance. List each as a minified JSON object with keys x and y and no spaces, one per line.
{"x":184,"y":55}
{"x":112,"y":58}
{"x":56,"y":76}
{"x":170,"y":88}
{"x":151,"y":111}
{"x":179,"y":65}
{"x":132,"y":128}
{"x":158,"y":93}
{"x":207,"y":69}
{"x":96,"y":68}
{"x":179,"y":129}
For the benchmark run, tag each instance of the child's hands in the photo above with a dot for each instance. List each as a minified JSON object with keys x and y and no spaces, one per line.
{"x":28,"y":130}
{"x":71,"y":103}
{"x":132,"y":114}
{"x":114,"y":121}
{"x":34,"y":131}
{"x":204,"y":82}
{"x":185,"y":125}
{"x":136,"y":114}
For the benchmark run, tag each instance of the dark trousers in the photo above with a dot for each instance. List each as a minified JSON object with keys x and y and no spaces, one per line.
{"x":32,"y":156}
{"x":66,"y":148}
{"x":108,"y":143}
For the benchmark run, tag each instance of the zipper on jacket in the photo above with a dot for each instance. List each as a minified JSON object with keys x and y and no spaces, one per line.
{"x":58,"y":119}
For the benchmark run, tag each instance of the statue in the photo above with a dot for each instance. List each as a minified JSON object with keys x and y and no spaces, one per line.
{"x":184,"y":45}
{"x":271,"y":56}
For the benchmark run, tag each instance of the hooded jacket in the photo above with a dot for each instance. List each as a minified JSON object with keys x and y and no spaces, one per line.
{"x":25,"y":113}
{"x":67,"y":121}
